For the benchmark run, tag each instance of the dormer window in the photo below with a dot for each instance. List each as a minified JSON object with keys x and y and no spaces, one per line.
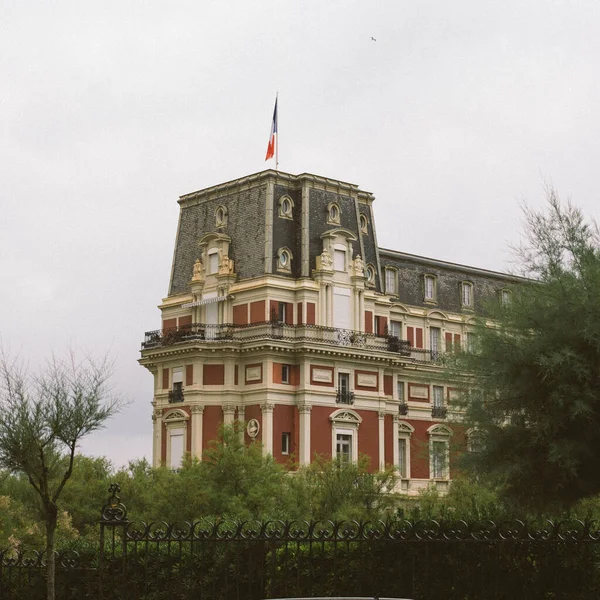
{"x":284,"y":260}
{"x":213,"y":261}
{"x":430,"y":288}
{"x":364,"y":223}
{"x":466,"y":294}
{"x":339,"y":259}
{"x":221,"y":216}
{"x":391,"y":278}
{"x":286,"y":206}
{"x":333,"y":214}
{"x":370,"y":274}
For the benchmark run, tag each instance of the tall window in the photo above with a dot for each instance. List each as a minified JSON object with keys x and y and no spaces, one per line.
{"x":343,"y":447}
{"x":439,"y":459}
{"x":396,"y":329}
{"x":344,"y":395}
{"x":285,"y":373}
{"x":176,"y":448}
{"x":402,"y":457}
{"x":285,"y":442}
{"x":467,"y":294}
{"x":430,"y":288}
{"x":213,"y":262}
{"x":505,"y":297}
{"x":339,"y":260}
{"x":400,"y":388}
{"x":438,"y":396}
{"x":390,"y":281}
{"x":435,"y":336}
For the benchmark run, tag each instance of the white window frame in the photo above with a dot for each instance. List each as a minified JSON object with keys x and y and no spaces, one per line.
{"x":391,"y":281}
{"x":213,"y":252}
{"x":333,"y":213}
{"x":286,"y":442}
{"x":439,"y":434}
{"x":505,"y":297}
{"x":175,"y":421}
{"x":466,"y":294}
{"x":284,"y":260}
{"x":221,"y":216}
{"x":401,"y":396}
{"x":395,"y":328}
{"x":285,"y":373}
{"x":437,"y":396}
{"x":435,"y":341}
{"x":430,"y":295}
{"x":405,"y":431}
{"x":370,"y":274}
{"x":345,"y":421}
{"x":364,"y":223}
{"x":286,"y":212}
{"x":340,"y":256}
{"x":474,"y":436}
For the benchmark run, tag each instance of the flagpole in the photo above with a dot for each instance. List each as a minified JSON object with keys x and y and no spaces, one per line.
{"x":277,"y":138}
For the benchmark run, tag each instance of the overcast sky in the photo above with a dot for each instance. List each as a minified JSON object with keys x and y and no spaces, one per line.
{"x":111,"y":110}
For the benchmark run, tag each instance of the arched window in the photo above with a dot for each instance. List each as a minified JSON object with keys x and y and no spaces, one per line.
{"x":176,"y":428}
{"x":391,"y":281}
{"x":284,"y":260}
{"x":221,"y":216}
{"x":364,"y":223}
{"x":286,"y":207}
{"x":333,"y":213}
{"x":344,"y":434}
{"x":405,"y":431}
{"x":466,"y":294}
{"x":370,"y":274}
{"x":439,"y":451}
{"x":430,"y":288}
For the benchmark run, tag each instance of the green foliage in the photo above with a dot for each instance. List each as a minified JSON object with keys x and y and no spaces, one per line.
{"x":534,"y":384}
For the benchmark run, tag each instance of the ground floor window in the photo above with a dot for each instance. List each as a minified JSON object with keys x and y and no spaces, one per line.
{"x":343,"y":447}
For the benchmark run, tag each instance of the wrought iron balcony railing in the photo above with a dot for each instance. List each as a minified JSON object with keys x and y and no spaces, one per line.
{"x":439,"y":412}
{"x":344,"y":397}
{"x":331,"y":336}
{"x":176,"y":395}
{"x":403,"y":408}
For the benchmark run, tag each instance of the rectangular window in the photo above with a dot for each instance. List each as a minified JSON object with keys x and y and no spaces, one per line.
{"x":343,"y":447}
{"x":285,"y":442}
{"x":281,"y":312}
{"x":396,"y":329}
{"x":213,"y":262}
{"x":435,"y":335}
{"x":438,"y":396}
{"x":176,"y":448}
{"x":285,"y":373}
{"x":390,"y":281}
{"x":400,"y":391}
{"x":439,"y":460}
{"x":467,"y":294}
{"x":429,"y":288}
{"x":339,"y":260}
{"x":402,"y":457}
{"x":344,"y":395}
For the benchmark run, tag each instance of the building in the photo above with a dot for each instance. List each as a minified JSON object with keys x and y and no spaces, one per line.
{"x":285,"y":314}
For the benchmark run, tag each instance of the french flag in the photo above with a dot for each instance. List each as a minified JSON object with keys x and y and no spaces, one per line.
{"x":272,"y":137}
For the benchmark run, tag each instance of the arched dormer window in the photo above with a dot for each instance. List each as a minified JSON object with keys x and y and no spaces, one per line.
{"x":284,"y":260}
{"x":286,"y":207}
{"x":221,"y":216}
{"x":466,"y":294}
{"x":364,"y":223}
{"x":430,"y":288}
{"x":370,"y":275}
{"x":333,"y":213}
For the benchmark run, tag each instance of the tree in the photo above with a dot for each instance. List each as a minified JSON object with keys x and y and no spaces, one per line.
{"x":43,"y":418}
{"x":533,"y":383}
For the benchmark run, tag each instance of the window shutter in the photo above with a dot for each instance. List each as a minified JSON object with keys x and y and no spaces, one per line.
{"x":410,"y":336}
{"x":165,"y":379}
{"x":300,"y":316}
{"x":457,"y":341}
{"x":289,"y":313}
{"x":310,"y":313}
{"x":189,"y":374}
{"x":368,"y":321}
{"x":448,"y":341}
{"x":419,"y":337}
{"x":382,"y":326}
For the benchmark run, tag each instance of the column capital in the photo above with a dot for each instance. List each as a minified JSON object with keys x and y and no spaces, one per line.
{"x":267,"y":407}
{"x":382,"y":414}
{"x":229,"y":408}
{"x":197,"y":408}
{"x":157,"y":414}
{"x":305,"y":408}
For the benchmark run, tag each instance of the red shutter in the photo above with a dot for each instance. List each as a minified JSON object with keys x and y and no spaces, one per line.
{"x":235,"y":375}
{"x":169,"y":324}
{"x":410,"y":336}
{"x":388,"y":385}
{"x":382,"y":326}
{"x":457,"y":342}
{"x":419,"y":337}
{"x":289,"y":313}
{"x":310,"y":313}
{"x":165,"y":381}
{"x":273,"y":310}
{"x":189,"y":375}
{"x":185,"y":323}
{"x":448,"y":341}
{"x":300,"y":319}
{"x":240,"y":314}
{"x":368,"y":321}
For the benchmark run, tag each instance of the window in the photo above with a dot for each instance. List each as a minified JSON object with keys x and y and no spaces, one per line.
{"x":285,"y":442}
{"x":467,"y":294}
{"x":333,"y":214}
{"x":176,"y":448}
{"x":505,"y":297}
{"x":280,"y":316}
{"x":284,"y":260}
{"x":396,"y":329}
{"x":285,"y":373}
{"x":286,"y":205}
{"x":430,"y":288}
{"x":402,"y":457}
{"x":176,"y":392}
{"x":400,"y":388}
{"x":390,"y":281}
{"x":435,"y":336}
{"x":221,"y":216}
{"x":439,"y":460}
{"x":438,"y":396}
{"x":364,"y":223}
{"x":176,"y":424}
{"x":344,"y":395}
{"x":343,"y":447}
{"x":370,"y":273}
{"x":339,"y":260}
{"x":470,"y":342}
{"x":475,"y":440}
{"x":213,"y":261}
{"x":439,"y":451}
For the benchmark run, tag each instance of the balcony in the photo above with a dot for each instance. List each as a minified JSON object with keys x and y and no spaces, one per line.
{"x":344,"y":397}
{"x":403,"y":408}
{"x":439,"y":412}
{"x":175,"y":396}
{"x":317,"y":334}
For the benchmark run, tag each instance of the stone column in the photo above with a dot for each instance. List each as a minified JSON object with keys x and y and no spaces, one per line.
{"x":304,"y":450}
{"x":228,"y":414}
{"x":361,"y":311}
{"x":157,"y":432}
{"x":197,"y":426}
{"x":329,"y":306}
{"x":241,"y":417}
{"x":267,"y":427}
{"x":381,"y":440}
{"x":323,"y":305}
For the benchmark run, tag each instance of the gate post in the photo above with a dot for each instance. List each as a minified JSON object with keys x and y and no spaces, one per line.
{"x":113,"y":514}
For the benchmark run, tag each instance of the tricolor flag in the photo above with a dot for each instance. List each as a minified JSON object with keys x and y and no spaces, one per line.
{"x":273,"y":136}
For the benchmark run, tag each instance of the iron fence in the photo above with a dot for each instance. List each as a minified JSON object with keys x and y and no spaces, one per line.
{"x":424,"y":560}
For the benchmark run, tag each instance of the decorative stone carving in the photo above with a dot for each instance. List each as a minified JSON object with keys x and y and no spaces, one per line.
{"x":253,"y":428}
{"x":267,"y":407}
{"x":304,"y":408}
{"x":229,"y":408}
{"x":197,"y":409}
{"x":198,"y":271}
{"x":226,"y":266}
{"x":359,"y":266}
{"x":324,"y":261}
